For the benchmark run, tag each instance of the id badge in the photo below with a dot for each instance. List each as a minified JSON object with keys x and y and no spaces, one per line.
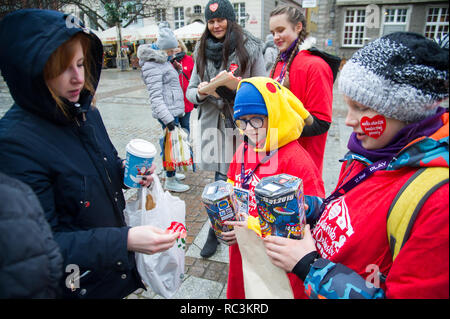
{"x":243,"y":197}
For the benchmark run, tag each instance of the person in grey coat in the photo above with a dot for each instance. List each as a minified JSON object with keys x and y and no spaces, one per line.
{"x":165,"y":92}
{"x":223,"y":45}
{"x":270,"y":53}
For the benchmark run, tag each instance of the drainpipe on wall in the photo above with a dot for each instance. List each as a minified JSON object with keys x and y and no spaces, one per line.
{"x":262,"y":21}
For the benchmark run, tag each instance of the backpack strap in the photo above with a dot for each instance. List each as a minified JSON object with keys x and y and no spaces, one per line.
{"x":408,"y":202}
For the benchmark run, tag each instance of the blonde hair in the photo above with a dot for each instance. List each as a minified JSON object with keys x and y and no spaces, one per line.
{"x":59,"y":61}
{"x":294,"y":16}
{"x":182,"y":45}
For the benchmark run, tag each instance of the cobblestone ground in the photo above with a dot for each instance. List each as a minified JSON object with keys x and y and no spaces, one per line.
{"x":123,"y":103}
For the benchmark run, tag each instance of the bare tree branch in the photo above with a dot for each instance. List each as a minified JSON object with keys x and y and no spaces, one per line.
{"x":7,"y":6}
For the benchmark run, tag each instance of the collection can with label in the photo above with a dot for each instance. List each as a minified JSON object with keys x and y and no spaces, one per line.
{"x":280,"y":204}
{"x":221,"y":205}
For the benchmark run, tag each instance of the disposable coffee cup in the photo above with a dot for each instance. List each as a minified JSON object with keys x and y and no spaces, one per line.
{"x":140,"y":155}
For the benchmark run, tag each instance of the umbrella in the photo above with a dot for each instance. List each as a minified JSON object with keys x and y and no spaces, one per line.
{"x":191,"y":31}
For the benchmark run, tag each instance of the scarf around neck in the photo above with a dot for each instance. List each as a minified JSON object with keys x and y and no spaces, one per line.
{"x":286,"y":54}
{"x":179,"y":56}
{"x":409,"y":133}
{"x":214,"y":49}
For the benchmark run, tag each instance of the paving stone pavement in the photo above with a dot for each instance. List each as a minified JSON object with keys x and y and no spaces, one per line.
{"x":122,"y":100}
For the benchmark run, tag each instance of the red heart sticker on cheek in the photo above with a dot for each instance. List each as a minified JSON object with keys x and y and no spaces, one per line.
{"x":373,"y":127}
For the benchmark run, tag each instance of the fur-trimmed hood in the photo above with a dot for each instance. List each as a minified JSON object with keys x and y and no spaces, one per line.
{"x":146,"y":53}
{"x":308,"y":43}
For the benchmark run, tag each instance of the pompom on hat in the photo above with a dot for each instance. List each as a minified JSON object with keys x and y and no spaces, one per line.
{"x":402,"y":75}
{"x":219,"y":9}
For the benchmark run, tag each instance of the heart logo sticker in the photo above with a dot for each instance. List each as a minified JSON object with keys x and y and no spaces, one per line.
{"x":233,"y":67}
{"x":373,"y":127}
{"x":213,"y":6}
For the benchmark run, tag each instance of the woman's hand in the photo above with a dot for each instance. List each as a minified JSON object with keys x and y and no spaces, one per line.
{"x":230,"y":236}
{"x":147,"y":180}
{"x":286,"y":253}
{"x":177,"y":65}
{"x":202,"y":85}
{"x":149,"y":239}
{"x":204,"y":95}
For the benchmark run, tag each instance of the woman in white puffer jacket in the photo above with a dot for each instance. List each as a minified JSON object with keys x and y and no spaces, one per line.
{"x":163,"y":85}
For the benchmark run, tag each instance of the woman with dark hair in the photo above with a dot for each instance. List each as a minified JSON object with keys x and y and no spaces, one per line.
{"x":224,"y":45}
{"x":308,"y":76}
{"x":54,"y":140}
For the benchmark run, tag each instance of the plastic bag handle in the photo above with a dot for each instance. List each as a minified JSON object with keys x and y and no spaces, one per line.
{"x":143,"y":199}
{"x":156,"y":187}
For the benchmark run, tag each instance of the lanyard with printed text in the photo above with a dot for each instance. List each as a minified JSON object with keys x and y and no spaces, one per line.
{"x":245,"y":179}
{"x":359,"y":178}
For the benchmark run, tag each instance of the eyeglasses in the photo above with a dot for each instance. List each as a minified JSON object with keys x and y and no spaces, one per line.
{"x":255,"y":122}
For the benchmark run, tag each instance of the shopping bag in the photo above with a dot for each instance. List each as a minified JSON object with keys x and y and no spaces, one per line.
{"x":177,"y":150}
{"x":162,"y":272}
{"x":169,"y":162}
{"x":262,"y":279}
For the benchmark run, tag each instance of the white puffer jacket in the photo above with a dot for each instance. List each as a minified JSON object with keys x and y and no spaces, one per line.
{"x":163,"y":85}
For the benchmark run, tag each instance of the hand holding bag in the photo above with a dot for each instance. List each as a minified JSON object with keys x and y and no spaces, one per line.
{"x":163,"y":271}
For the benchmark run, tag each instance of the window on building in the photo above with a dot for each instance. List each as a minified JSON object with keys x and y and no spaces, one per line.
{"x":178,"y":17}
{"x":160,"y":15}
{"x":197,"y":9}
{"x":394,"y":20}
{"x":239,"y":10}
{"x":436,"y":25}
{"x":354,"y":28}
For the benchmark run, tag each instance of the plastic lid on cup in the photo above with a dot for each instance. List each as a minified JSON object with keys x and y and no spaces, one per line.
{"x":141,"y":148}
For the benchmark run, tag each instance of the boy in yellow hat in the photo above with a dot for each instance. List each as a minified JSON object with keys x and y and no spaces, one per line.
{"x":271,"y":119}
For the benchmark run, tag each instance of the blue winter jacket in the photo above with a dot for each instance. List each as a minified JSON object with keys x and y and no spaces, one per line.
{"x":70,"y":163}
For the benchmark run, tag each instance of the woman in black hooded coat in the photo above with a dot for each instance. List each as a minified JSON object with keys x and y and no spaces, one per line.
{"x":54,"y":140}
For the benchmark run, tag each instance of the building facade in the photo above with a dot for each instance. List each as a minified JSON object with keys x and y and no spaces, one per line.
{"x":343,"y":26}
{"x":253,"y":15}
{"x":340,"y":26}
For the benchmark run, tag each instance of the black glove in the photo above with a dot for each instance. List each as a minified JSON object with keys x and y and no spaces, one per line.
{"x":225,"y":93}
{"x":171,"y":126}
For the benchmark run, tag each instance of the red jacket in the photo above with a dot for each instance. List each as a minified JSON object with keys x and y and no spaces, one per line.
{"x":353,"y":232}
{"x":291,"y":159}
{"x":352,"y":229}
{"x":311,"y":81}
{"x":188,"y":64}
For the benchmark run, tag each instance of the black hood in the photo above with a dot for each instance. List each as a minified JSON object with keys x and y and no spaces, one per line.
{"x":28,"y":39}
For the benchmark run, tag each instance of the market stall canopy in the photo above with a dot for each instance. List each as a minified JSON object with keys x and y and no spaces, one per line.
{"x":191,"y":31}
{"x":111,"y":35}
{"x":148,"y":32}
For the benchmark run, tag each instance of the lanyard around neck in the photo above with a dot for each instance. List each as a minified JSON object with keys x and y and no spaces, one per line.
{"x":282,"y":73}
{"x":353,"y":182}
{"x":245,"y":179}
